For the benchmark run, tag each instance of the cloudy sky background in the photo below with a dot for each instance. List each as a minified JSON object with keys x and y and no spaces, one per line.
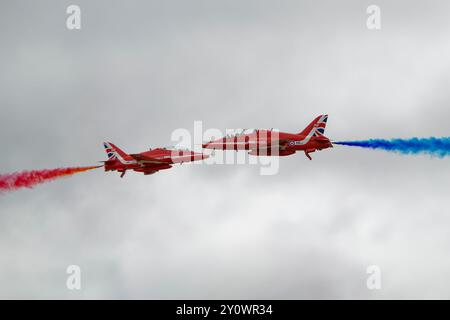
{"x":137,"y":70}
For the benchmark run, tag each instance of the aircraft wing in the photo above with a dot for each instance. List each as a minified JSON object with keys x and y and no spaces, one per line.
{"x":282,"y":144}
{"x":144,"y":159}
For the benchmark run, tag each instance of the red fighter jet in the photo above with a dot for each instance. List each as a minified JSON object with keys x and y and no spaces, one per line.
{"x":271,"y":143}
{"x":148,"y":162}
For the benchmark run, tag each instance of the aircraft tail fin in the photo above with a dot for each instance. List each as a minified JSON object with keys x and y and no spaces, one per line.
{"x":318,"y":125}
{"x":114,"y":152}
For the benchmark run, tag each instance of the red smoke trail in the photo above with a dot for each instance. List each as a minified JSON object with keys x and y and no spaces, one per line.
{"x":28,"y":179}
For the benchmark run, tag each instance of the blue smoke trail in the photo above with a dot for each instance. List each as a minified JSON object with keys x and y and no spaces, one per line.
{"x":439,"y":147}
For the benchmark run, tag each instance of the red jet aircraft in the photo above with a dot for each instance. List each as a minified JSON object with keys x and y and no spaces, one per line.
{"x":271,"y":143}
{"x":147,"y":162}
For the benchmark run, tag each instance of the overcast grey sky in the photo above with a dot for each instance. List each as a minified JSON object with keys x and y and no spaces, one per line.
{"x":137,"y":70}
